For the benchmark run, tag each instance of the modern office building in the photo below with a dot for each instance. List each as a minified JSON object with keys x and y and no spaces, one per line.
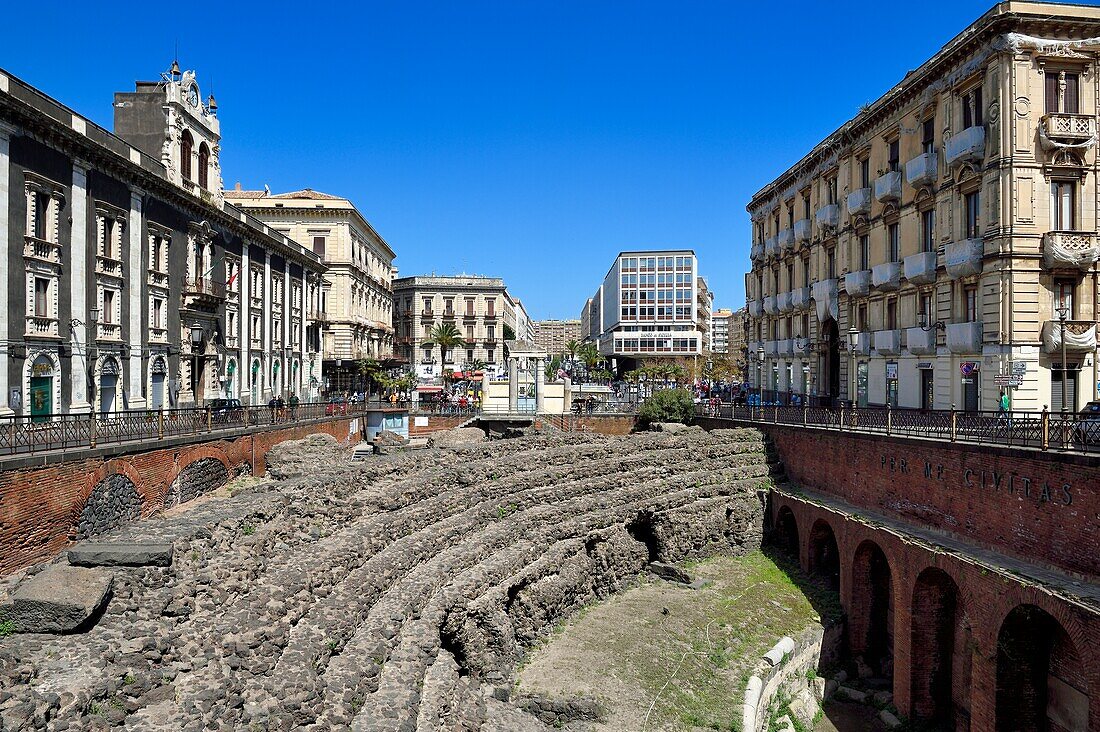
{"x":552,"y":335}
{"x":922,"y":254}
{"x":131,"y":283}
{"x":648,"y":306}
{"x":720,"y":330}
{"x":358,"y":287}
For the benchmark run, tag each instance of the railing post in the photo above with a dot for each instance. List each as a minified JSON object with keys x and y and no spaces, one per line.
{"x":91,"y":429}
{"x":775,"y":414}
{"x":209,"y":425}
{"x":1044,"y":423}
{"x":840,"y":426}
{"x":160,"y":423}
{"x":954,"y":423}
{"x":889,"y":417}
{"x":804,"y":410}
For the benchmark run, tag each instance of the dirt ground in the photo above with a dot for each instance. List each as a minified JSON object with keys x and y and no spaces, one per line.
{"x":662,"y":656}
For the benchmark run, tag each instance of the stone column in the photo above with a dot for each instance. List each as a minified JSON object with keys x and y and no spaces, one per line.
{"x":244,"y":368}
{"x":5,"y":239}
{"x":513,"y":384}
{"x":265,"y":374}
{"x":288,"y":325}
{"x":540,"y":385}
{"x":138,"y":313}
{"x":78,"y":306}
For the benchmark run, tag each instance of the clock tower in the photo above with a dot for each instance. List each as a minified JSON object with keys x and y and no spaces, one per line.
{"x":170,"y":121}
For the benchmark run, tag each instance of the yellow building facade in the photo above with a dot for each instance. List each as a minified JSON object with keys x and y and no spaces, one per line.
{"x":919,"y":255}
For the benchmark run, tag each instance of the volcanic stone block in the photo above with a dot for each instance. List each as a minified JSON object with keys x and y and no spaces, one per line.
{"x":91,"y":554}
{"x":459,"y":437}
{"x":59,"y":599}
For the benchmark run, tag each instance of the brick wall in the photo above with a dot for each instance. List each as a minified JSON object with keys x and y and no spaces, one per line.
{"x":435,"y":424}
{"x":40,"y":506}
{"x":1039,"y":506}
{"x":604,"y":424}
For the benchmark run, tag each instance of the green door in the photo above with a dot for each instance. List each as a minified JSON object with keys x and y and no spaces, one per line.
{"x":41,"y":398}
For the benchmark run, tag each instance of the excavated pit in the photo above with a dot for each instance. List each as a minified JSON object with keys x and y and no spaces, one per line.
{"x":399,"y":593}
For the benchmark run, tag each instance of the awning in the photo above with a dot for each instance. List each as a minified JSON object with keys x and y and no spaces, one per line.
{"x":429,"y":387}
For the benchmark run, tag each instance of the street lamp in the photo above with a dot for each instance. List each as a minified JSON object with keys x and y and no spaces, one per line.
{"x":853,"y":341}
{"x":926,"y":326}
{"x":760,"y":375}
{"x":1063,"y":312}
{"x":196,"y":344}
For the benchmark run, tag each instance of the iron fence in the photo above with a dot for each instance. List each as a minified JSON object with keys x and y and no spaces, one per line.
{"x":1044,"y":430}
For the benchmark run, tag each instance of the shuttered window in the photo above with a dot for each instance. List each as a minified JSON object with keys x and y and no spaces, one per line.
{"x":1070,"y":376}
{"x":1055,"y":100}
{"x":1063,"y":195}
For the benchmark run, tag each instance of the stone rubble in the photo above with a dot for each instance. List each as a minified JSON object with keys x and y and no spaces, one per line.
{"x":396,"y":593}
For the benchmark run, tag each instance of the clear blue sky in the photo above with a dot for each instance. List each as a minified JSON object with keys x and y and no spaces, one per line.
{"x":528,"y":140}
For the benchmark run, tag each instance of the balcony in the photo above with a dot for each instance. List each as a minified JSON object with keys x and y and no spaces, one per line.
{"x":490,"y":315}
{"x":828,"y":217}
{"x":109,"y":332}
{"x":317,"y":316}
{"x":963,"y":258}
{"x":802,"y":231}
{"x":886,"y":277}
{"x":888,"y":187}
{"x":1070,"y":250}
{"x":202,"y":292}
{"x":786,"y":240}
{"x":155,"y":335}
{"x":920,"y":269}
{"x":967,"y":146}
{"x":108,"y":267}
{"x":921,"y":170}
{"x":964,"y":337}
{"x":771,"y":305}
{"x":800,"y":298}
{"x":771,"y":247}
{"x":785,"y":347}
{"x":858,"y":283}
{"x":427,"y":313}
{"x":859,"y":201}
{"x":921,"y":342}
{"x":783,"y":302}
{"x":36,"y":248}
{"x":1080,"y":336}
{"x":824,"y":294}
{"x":888,"y":342}
{"x":1069,"y":128}
{"x":41,"y":327}
{"x":863,"y":343}
{"x":756,"y":253}
{"x":756,"y":308}
{"x":771,"y":348}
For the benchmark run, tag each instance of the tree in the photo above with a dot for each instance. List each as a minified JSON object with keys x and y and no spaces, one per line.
{"x":667,"y":405}
{"x":509,"y":335}
{"x":370,"y":369}
{"x":571,"y":349}
{"x":552,"y":367}
{"x":446,"y":336}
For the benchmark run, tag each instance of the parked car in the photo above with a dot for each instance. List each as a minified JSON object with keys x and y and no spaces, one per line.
{"x":1086,"y":430}
{"x":225,"y":410}
{"x":336,"y":405}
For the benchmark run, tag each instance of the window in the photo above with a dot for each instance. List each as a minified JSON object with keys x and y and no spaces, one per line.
{"x":970,"y":303}
{"x":204,"y":164}
{"x":830,"y":189}
{"x":892,"y":243}
{"x":790,"y":276}
{"x":41,"y":216}
{"x":891,"y":314}
{"x":806,"y":272}
{"x":230,"y":318}
{"x":928,"y":136}
{"x":926,"y":307}
{"x":319,"y":246}
{"x":107,"y":237}
{"x":469,"y":306}
{"x":469,"y":332}
{"x":806,"y":206}
{"x":830,"y":263}
{"x":927,"y":230}
{"x":469,"y":355}
{"x":186,"y":144}
{"x":972,"y":107}
{"x":490,"y":307}
{"x":1064,"y":297}
{"x":490,"y":333}
{"x":108,"y":306}
{"x":448,"y":306}
{"x":1062,"y":92}
{"x":41,"y":297}
{"x":865,"y":173}
{"x":428,"y":354}
{"x":861,"y":318}
{"x":864,"y":251}
{"x":895,"y":156}
{"x":491,"y":356}
{"x":1063,"y":198}
{"x":973,"y":206}
{"x":427,"y":304}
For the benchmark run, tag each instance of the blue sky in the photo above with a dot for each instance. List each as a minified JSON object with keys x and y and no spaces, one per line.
{"x":528,"y":140}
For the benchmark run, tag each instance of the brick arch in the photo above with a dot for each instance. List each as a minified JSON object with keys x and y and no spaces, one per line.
{"x":198,"y":453}
{"x":184,"y":461}
{"x":871,"y":605}
{"x":785,"y":535}
{"x":941,"y":643}
{"x":823,"y":552}
{"x":98,"y":477}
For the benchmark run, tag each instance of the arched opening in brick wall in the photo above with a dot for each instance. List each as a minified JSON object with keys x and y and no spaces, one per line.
{"x":1041,"y":682}
{"x":941,"y":651}
{"x":871,"y":615}
{"x":785,"y":535}
{"x":824,"y":556}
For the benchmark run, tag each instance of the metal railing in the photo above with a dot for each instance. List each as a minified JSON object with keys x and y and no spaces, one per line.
{"x":1043,"y":430}
{"x":28,"y":435}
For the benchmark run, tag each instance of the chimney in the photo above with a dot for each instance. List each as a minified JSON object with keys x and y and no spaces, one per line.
{"x":237,"y":187}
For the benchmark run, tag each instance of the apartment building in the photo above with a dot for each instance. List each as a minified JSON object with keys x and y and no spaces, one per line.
{"x":552,"y":335}
{"x":720,"y":330}
{"x":919,"y":255}
{"x":357,"y":318}
{"x":125,"y":268}
{"x":704,"y":306}
{"x":648,"y":306}
{"x":475,"y":305}
{"x":517,"y":319}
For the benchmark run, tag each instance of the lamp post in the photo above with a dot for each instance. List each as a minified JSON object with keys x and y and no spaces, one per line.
{"x":1063,"y":312}
{"x":760,"y":375}
{"x":196,"y":344}
{"x":853,"y":341}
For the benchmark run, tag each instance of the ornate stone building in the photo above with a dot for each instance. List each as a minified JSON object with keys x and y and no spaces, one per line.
{"x":124,"y":265}
{"x":358,"y":286}
{"x":941,"y":229}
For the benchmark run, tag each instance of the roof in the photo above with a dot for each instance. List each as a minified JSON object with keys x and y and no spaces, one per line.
{"x":245,"y":194}
{"x":310,"y":194}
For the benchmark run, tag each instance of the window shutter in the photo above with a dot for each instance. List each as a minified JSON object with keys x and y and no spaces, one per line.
{"x":1071,"y":94}
{"x":1052,"y":93}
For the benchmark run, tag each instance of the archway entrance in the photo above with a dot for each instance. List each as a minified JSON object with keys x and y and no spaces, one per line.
{"x":831,"y":380}
{"x":941,"y":653}
{"x":255,"y":383}
{"x":158,"y":372}
{"x":785,"y":535}
{"x":41,"y":388}
{"x":108,"y":385}
{"x":824,"y":556}
{"x":871,"y":619}
{"x":1040,"y":678}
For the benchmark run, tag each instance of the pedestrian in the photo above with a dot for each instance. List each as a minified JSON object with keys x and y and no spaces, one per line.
{"x":280,"y":407}
{"x":294,"y":406}
{"x":271,"y":405}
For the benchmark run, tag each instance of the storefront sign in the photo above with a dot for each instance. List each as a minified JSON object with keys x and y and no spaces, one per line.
{"x":891,"y":370}
{"x":924,"y":365}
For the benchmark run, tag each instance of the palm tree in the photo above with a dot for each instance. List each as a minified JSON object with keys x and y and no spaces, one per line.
{"x":446,"y":336}
{"x":370,"y":369}
{"x":571,"y":348}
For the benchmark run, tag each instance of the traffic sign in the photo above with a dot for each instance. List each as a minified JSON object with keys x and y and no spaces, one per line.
{"x":1019,"y":368}
{"x":1007,"y":380}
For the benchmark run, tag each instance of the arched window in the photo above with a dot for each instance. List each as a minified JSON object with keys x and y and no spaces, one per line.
{"x":186,"y":143}
{"x":204,"y":163}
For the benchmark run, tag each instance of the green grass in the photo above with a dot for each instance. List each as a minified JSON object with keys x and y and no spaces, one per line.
{"x":248,"y":529}
{"x":7,"y":627}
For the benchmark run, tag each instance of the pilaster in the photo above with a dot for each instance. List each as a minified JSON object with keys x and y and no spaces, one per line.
{"x":138,"y":313}
{"x":78,"y":306}
{"x":244,"y":319}
{"x":5,"y":240}
{"x":266,"y":368}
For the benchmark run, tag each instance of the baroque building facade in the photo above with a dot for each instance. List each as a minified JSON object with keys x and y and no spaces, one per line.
{"x":356,"y":321}
{"x":124,"y":264}
{"x":919,"y":255}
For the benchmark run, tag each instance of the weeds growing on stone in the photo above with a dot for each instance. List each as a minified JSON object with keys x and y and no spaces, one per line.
{"x":7,"y":627}
{"x":248,"y":529}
